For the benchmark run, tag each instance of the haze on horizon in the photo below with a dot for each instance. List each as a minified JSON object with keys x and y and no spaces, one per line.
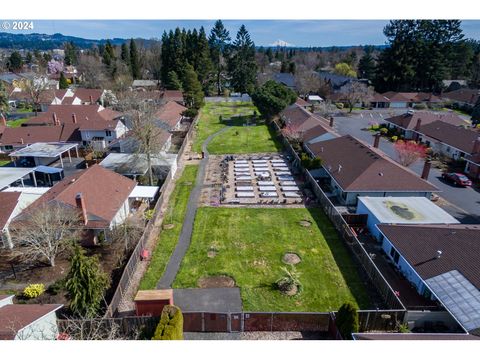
{"x":263,"y":32}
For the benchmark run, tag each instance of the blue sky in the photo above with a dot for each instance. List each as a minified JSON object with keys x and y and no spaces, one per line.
{"x":263,"y":32}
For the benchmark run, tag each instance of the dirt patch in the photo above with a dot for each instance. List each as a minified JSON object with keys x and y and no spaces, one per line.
{"x":168,"y":226}
{"x":212,"y":253}
{"x":216,"y":282}
{"x":287,"y":288}
{"x":291,"y":258}
{"x":305,"y":223}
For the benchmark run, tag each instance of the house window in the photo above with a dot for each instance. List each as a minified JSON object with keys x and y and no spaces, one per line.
{"x":394,"y":255}
{"x":8,"y":147}
{"x":108,"y":133}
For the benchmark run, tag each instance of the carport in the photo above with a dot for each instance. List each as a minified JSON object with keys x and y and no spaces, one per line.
{"x":10,"y":175}
{"x":44,"y":153}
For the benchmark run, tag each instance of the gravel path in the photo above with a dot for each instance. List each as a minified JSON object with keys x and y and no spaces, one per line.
{"x":187,"y":228}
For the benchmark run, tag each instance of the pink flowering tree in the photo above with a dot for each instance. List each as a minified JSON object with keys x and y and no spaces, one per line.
{"x":292,"y":133}
{"x":409,"y":151}
{"x":54,"y":67}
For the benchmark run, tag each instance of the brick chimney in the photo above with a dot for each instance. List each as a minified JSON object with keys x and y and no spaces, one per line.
{"x":55,"y":119}
{"x":376,"y":140}
{"x":331,"y":121}
{"x":91,"y":100}
{"x":74,"y":118}
{"x":426,"y":169}
{"x":80,"y":201}
{"x":21,"y":141}
{"x":3,"y":121}
{"x":419,"y":123}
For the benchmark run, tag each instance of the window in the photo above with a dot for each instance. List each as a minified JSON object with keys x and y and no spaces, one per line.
{"x":8,"y":147}
{"x":394,"y":255}
{"x":108,"y":133}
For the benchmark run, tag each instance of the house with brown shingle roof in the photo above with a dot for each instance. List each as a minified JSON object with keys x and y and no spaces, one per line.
{"x":27,"y":321}
{"x":353,"y":169}
{"x":442,"y":262}
{"x":100,"y":195}
{"x":468,"y":97}
{"x":411,"y":121}
{"x":170,"y":115}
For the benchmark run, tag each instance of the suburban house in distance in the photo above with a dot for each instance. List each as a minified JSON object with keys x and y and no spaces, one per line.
{"x":463,"y":97}
{"x":309,"y":127}
{"x":449,"y":140}
{"x":286,"y":79}
{"x":100,"y":195}
{"x":412,"y":121}
{"x":442,"y":263}
{"x":351,"y":169}
{"x":401,"y":210}
{"x":27,"y":321}
{"x":170,"y":116}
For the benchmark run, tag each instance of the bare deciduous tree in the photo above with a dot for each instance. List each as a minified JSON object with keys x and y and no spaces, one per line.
{"x":92,"y":71}
{"x":355,"y":93}
{"x":98,"y":329}
{"x":42,"y":233}
{"x":34,"y":89}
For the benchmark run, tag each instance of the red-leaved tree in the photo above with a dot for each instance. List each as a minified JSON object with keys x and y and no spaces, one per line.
{"x":292,"y":133}
{"x":409,"y":151}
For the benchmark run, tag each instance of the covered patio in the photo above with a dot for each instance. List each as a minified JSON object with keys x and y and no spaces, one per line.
{"x":10,"y":176}
{"x":43,"y":154}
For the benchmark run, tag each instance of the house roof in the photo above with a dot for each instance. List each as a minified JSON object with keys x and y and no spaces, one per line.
{"x":139,"y":82}
{"x":173,"y":95}
{"x":455,"y":136}
{"x":460,"y":246}
{"x":469,"y":96}
{"x":302,"y":119}
{"x":25,"y":135}
{"x":413,"y":336}
{"x":15,"y":317}
{"x":409,"y":120}
{"x":8,"y":202}
{"x":9,"y":175}
{"x":84,"y":94}
{"x":104,"y":192}
{"x":301,"y":102}
{"x":136,"y":164}
{"x":393,"y":96}
{"x":356,"y":166}
{"x":64,"y":114}
{"x":49,"y":150}
{"x":170,"y":113}
{"x":336,"y":80}
{"x":286,"y":79}
{"x":314,"y":132}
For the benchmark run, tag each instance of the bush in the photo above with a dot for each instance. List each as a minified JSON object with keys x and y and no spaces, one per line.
{"x":419,"y":106}
{"x":148,"y":214}
{"x":383,"y":131}
{"x":190,"y":113}
{"x":339,"y":106}
{"x":347,"y":320}
{"x":394,"y":138}
{"x":56,"y":287}
{"x":170,"y":326}
{"x":33,"y":290}
{"x":308,"y":163}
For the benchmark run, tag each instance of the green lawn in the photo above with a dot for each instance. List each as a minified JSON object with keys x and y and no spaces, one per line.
{"x":168,"y":237}
{"x":250,"y":244}
{"x":239,"y":138}
{"x":16,"y":123}
{"x":4,"y":162}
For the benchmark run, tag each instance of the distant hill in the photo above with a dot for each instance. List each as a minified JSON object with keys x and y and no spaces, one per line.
{"x":47,"y":42}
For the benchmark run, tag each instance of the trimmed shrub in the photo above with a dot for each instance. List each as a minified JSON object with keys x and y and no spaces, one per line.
{"x":347,"y":320}
{"x":339,"y":106}
{"x":394,"y":138}
{"x":170,"y":326}
{"x":33,"y":290}
{"x":419,"y":106}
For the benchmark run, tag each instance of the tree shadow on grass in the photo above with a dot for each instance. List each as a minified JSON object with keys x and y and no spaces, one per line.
{"x":350,"y":270}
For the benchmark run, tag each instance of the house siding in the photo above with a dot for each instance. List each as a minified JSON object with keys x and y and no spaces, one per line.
{"x":44,"y":328}
{"x":121,"y":214}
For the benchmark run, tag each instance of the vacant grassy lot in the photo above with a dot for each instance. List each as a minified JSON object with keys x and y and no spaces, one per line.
{"x":168,"y":237}
{"x":239,"y":138}
{"x":249,"y":246}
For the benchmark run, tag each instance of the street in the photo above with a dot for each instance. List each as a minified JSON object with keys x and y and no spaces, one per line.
{"x":462,"y":203}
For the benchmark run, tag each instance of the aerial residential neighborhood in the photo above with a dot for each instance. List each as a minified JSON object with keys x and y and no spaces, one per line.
{"x":207,"y":183}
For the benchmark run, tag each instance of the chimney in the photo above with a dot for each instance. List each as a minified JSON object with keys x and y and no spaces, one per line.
{"x":476,"y":146}
{"x":339,"y":168}
{"x":419,"y":123}
{"x":91,"y":100}
{"x":426,"y":169}
{"x":21,"y":141}
{"x":331,"y":121}
{"x":376,"y":140}
{"x":80,"y":201}
{"x":439,"y":254}
{"x":55,"y":119}
{"x":3,"y":121}
{"x":86,"y":118}
{"x":74,"y":118}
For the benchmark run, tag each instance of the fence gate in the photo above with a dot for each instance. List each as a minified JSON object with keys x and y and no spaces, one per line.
{"x":236,"y":322}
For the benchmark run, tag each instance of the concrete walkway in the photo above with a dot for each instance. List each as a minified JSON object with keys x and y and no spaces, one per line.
{"x":187,"y":228}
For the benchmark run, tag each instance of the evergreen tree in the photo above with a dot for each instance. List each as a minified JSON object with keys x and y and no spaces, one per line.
{"x":29,"y":58}
{"x":134,"y":64}
{"x":203,"y":66}
{"x":170,"y":326}
{"x":219,"y":41}
{"x":3,"y":98}
{"x":63,"y":83}
{"x":366,"y":66}
{"x":86,"y":284}
{"x":70,"y":50}
{"x":173,"y":82}
{"x":15,"y":61}
{"x":242,"y":65}
{"x":272,"y":98}
{"x":347,"y":320}
{"x":192,"y":89}
{"x":125,"y":54}
{"x":269,"y":54}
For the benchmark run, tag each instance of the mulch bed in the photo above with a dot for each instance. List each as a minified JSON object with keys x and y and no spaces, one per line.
{"x":221,"y":281}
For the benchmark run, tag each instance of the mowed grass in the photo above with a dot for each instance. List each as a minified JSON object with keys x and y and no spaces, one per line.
{"x":4,"y":162}
{"x":239,"y":138}
{"x":168,"y":237}
{"x":250,"y":244}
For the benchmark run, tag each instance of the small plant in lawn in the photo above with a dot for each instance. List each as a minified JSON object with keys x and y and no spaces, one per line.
{"x":33,"y":290}
{"x":170,"y":326}
{"x":289,"y":283}
{"x":347,"y":320}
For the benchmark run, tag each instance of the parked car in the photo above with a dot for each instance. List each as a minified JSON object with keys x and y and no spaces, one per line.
{"x":457,"y":179}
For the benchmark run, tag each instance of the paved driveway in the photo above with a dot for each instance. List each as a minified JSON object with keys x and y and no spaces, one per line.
{"x":463,"y":203}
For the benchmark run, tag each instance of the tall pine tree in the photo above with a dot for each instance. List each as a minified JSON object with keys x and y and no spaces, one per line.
{"x":125,"y":54}
{"x":63,"y":83}
{"x":242,"y":65}
{"x":219,"y":41}
{"x":134,"y":62}
{"x":192,"y":89}
{"x":203,"y":65}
